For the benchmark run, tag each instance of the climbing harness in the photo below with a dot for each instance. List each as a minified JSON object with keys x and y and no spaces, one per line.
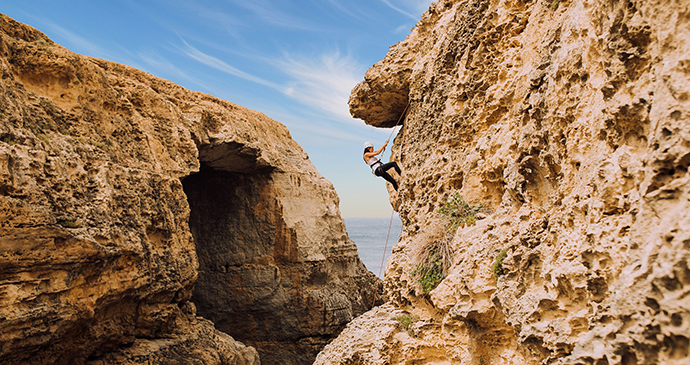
{"x":373,"y":162}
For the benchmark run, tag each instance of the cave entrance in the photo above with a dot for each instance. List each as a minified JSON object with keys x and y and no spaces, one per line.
{"x":234,"y":226}
{"x":244,"y":250}
{"x":254,"y":283}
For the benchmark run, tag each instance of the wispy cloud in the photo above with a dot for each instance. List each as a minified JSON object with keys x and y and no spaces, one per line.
{"x":405,"y":28}
{"x":321,"y":83}
{"x":400,"y":10}
{"x":324,"y":82}
{"x":421,"y":6}
{"x":222,"y":66}
{"x":165,"y":68}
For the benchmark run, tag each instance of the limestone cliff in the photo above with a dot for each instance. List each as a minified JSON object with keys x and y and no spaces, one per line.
{"x":127,"y":202}
{"x":569,"y":122}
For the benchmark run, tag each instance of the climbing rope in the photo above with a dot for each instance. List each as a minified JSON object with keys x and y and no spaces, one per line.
{"x":399,"y":120}
{"x":385,"y":249}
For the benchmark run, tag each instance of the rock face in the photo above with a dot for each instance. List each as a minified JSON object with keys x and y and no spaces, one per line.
{"x":99,"y":166}
{"x":569,"y":122}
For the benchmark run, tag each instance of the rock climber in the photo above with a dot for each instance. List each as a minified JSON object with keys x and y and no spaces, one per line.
{"x":377,"y":167}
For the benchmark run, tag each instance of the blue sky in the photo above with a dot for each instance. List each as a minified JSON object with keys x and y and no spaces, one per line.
{"x":295,"y":61}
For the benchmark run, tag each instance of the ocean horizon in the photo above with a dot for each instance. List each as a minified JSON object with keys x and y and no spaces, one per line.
{"x":369,"y":234}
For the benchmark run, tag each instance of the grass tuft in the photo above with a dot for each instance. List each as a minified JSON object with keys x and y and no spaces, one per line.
{"x":430,"y":272}
{"x":42,"y":44}
{"x":458,"y":213}
{"x":497,"y":267}
{"x":44,"y":139}
{"x":406,"y":320}
{"x":48,"y":105}
{"x":436,"y":256}
{"x":432,"y":258}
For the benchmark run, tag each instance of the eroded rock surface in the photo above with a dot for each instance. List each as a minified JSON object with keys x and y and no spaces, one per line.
{"x":569,"y":122}
{"x":98,"y":262}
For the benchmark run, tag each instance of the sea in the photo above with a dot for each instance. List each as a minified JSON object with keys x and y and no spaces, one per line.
{"x":370,"y":236}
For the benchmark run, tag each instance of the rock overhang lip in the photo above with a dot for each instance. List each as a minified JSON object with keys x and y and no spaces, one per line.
{"x":381,"y":101}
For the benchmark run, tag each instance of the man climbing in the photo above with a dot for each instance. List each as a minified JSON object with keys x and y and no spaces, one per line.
{"x":379,"y":168}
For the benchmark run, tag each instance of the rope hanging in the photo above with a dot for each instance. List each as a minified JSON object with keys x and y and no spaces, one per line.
{"x":385,"y":249}
{"x":399,"y":120}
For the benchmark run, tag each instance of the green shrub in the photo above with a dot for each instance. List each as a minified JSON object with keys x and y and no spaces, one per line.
{"x":430,"y":272}
{"x":428,"y":276}
{"x":48,"y":105}
{"x":44,"y":139}
{"x":435,"y":255}
{"x":406,"y":321}
{"x":458,"y":213}
{"x":46,"y":125}
{"x":102,"y":145}
{"x":497,"y":267}
{"x":42,"y":43}
{"x":432,"y":258}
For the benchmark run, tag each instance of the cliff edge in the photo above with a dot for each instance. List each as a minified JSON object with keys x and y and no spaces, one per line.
{"x":545,"y":194}
{"x":133,"y":211}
